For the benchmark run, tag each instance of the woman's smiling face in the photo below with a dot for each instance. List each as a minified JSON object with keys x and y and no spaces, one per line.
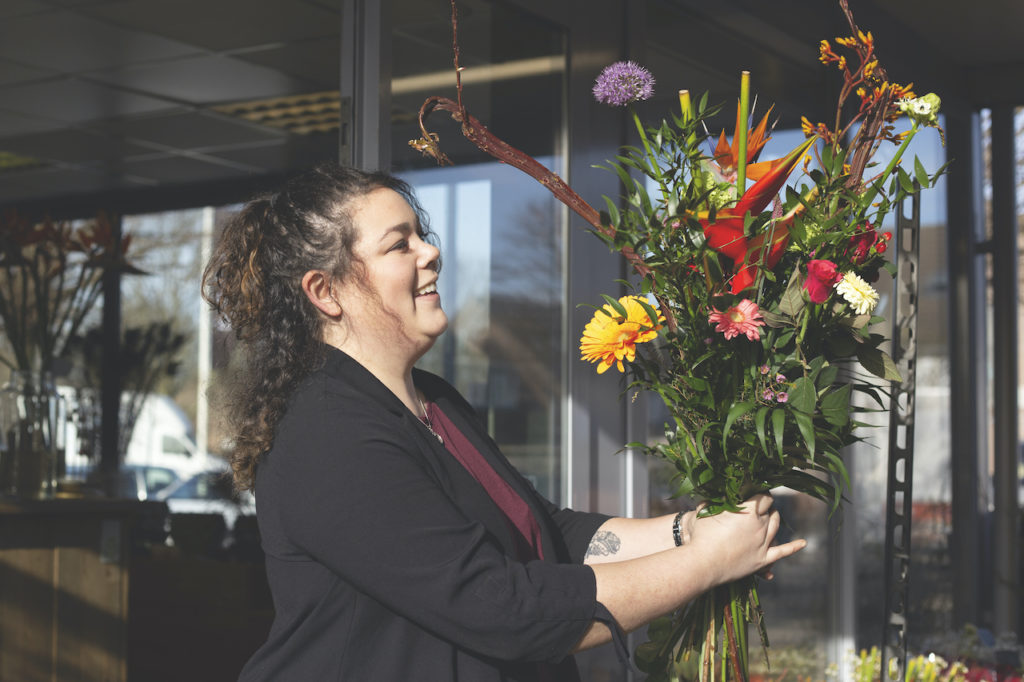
{"x":391,"y":301}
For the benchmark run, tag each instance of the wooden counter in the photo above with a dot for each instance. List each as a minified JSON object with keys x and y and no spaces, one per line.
{"x":64,"y":578}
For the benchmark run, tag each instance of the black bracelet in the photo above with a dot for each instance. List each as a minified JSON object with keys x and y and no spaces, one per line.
{"x":675,"y":529}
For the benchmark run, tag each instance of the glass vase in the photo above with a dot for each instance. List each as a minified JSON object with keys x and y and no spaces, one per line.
{"x":31,"y":436}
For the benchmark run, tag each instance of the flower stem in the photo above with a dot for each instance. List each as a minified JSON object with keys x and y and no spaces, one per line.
{"x":741,"y":134}
{"x":869,"y":196}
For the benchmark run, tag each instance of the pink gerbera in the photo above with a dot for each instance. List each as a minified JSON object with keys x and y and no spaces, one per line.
{"x":742,"y":318}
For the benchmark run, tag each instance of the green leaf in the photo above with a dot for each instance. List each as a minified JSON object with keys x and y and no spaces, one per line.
{"x":793,"y":300}
{"x":806,"y":426}
{"x":878,"y":363}
{"x":835,"y":405}
{"x":773,"y":320}
{"x":779,"y":427}
{"x":613,"y":212}
{"x":920,"y":173}
{"x":616,"y":306}
{"x":735,"y":412}
{"x":759,"y":422}
{"x":905,"y":182}
{"x":804,"y":482}
{"x":826,"y":377}
{"x":803,"y":395}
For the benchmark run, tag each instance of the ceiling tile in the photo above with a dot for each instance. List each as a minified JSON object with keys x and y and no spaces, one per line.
{"x":312,"y":61}
{"x":12,"y":123}
{"x":39,"y":183}
{"x":69,"y":42}
{"x":14,"y":8}
{"x":179,"y":169}
{"x":205,"y":79}
{"x":75,"y":101}
{"x":11,"y":72}
{"x":224,"y":24}
{"x":70,"y":146}
{"x":191,"y":130}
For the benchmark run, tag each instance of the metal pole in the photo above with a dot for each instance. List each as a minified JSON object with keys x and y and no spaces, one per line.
{"x":967,"y":375}
{"x":110,"y":373}
{"x":1005,"y":549}
{"x":204,"y":359}
{"x":901,"y":444}
{"x":365,"y":84}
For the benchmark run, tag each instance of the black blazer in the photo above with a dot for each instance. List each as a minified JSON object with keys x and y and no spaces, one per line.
{"x":388,"y":561}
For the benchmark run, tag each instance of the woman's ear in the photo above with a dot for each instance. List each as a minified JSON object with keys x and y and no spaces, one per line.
{"x":317,"y":287}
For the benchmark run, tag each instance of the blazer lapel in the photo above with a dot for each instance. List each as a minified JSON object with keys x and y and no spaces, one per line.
{"x":470,"y":427}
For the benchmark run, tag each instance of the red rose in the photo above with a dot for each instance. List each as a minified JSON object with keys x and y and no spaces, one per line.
{"x":822,"y":275}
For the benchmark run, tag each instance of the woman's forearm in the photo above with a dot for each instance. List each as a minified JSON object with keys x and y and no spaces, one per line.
{"x":639,"y":590}
{"x":621,"y":539}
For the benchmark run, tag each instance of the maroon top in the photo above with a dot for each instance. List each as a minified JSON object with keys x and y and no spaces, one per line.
{"x":523,"y":524}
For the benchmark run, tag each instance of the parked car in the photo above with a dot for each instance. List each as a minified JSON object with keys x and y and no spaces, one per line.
{"x":208,"y":492}
{"x":134,"y":482}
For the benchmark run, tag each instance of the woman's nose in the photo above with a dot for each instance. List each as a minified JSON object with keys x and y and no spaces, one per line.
{"x":429,"y":255}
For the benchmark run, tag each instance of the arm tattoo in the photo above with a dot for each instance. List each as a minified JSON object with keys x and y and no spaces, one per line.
{"x":604,"y":543}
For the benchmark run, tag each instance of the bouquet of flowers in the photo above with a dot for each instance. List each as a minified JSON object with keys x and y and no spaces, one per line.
{"x":752,"y":311}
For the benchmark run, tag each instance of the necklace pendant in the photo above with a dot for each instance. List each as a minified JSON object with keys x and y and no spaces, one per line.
{"x":425,"y":420}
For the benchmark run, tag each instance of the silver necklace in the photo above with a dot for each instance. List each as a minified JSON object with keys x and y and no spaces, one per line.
{"x":426,"y":421}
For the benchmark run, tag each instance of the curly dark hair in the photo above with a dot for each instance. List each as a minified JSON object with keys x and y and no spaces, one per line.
{"x":253,"y":281}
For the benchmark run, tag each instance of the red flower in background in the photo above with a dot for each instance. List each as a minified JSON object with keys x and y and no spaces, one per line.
{"x":864,"y":240}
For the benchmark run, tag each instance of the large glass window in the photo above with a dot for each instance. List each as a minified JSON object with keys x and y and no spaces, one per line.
{"x":501,"y":233}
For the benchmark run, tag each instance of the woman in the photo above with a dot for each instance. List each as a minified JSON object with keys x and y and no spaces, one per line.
{"x":400,"y":544}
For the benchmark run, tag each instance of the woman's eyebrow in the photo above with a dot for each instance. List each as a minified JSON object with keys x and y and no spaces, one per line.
{"x":401,"y":228}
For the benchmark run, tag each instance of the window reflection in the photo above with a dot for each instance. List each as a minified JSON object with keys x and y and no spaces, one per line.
{"x":501,"y":233}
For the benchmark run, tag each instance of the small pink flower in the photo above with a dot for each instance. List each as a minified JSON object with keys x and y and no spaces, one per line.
{"x":742,"y":318}
{"x":764,"y":369}
{"x":780,"y":378}
{"x":782,"y":396}
{"x":768,"y":394}
{"x":822,"y":275}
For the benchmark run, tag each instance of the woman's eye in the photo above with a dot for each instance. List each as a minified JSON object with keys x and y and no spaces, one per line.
{"x":400,"y":245}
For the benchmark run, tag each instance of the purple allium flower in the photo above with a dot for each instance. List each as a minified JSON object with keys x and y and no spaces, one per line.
{"x":768,"y":395}
{"x":782,"y":396}
{"x":622,"y":83}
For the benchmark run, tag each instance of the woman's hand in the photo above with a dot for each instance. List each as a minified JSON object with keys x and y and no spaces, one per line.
{"x":740,"y":543}
{"x":716,"y":550}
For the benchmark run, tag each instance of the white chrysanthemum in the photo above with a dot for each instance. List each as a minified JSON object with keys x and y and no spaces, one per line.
{"x":857,"y":293}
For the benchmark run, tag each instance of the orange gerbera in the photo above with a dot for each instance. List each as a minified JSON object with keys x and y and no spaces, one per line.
{"x":611,"y":338}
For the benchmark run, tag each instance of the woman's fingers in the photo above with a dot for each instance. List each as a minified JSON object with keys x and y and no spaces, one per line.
{"x":762,"y":502}
{"x":776,"y":552}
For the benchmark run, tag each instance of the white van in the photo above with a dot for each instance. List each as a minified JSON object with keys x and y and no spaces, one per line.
{"x":162,"y":444}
